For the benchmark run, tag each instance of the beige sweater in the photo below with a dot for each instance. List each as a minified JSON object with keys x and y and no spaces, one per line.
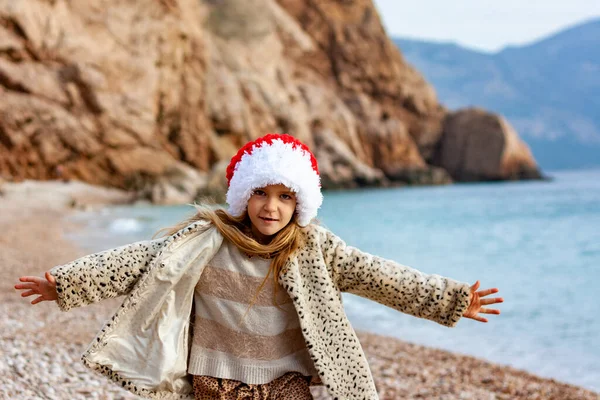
{"x":253,"y":345}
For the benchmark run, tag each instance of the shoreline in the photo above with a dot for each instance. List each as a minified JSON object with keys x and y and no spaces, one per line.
{"x":40,"y":346}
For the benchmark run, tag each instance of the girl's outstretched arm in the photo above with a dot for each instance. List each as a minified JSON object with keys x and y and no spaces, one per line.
{"x":403,"y":288}
{"x":476,"y":303}
{"x":103,"y":275}
{"x":44,"y":288}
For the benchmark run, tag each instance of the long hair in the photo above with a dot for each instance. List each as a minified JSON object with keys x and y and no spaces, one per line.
{"x":238,"y":231}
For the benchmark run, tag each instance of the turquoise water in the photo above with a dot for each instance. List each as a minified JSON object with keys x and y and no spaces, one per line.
{"x":538,"y":242}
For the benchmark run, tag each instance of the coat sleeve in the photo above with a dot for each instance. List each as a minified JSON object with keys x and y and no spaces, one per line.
{"x":405,"y":289}
{"x":103,"y":275}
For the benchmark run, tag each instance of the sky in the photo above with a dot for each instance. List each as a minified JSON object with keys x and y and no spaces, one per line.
{"x":487,"y":25}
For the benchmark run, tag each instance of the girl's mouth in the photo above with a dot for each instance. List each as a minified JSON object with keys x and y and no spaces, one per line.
{"x":269,"y":219}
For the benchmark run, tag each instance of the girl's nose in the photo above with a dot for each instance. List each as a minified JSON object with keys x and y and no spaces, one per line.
{"x":271,"y":204}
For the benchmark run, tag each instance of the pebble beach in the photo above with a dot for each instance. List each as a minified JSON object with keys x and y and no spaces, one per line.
{"x":40,"y":346}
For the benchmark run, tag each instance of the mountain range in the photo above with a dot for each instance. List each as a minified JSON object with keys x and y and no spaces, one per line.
{"x":549,"y":90}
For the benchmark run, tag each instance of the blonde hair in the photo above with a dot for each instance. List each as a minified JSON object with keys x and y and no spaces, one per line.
{"x":238,"y":230}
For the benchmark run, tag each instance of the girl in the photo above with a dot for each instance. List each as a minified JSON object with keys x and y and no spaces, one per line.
{"x":246,"y":303}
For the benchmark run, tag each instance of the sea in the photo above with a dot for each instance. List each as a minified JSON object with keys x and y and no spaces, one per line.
{"x":538,"y":242}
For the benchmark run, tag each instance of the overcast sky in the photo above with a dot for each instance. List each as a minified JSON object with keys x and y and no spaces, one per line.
{"x":483,"y":24}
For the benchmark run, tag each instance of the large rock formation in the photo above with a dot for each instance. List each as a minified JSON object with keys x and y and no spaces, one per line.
{"x":122,"y":92}
{"x":477,"y":145}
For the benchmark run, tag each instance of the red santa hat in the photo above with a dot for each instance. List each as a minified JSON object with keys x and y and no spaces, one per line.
{"x":270,"y":160}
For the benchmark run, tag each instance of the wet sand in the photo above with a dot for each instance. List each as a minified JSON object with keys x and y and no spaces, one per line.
{"x":40,"y":346}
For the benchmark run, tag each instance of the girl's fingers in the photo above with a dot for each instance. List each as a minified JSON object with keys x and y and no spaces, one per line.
{"x":485,"y":302}
{"x":475,"y":286}
{"x":35,"y":279}
{"x":28,"y":293}
{"x":50,"y":278}
{"x":25,"y":285}
{"x":478,"y":318}
{"x":486,"y":292}
{"x":489,"y":311}
{"x":39,"y":299}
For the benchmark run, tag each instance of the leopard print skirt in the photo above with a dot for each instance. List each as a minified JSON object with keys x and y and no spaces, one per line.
{"x":291,"y":386}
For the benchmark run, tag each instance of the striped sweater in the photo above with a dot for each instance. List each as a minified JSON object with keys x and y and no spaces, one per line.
{"x":232,"y":340}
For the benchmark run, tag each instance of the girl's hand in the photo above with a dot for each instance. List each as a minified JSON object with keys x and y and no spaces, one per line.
{"x":476,"y":302}
{"x":45,"y":288}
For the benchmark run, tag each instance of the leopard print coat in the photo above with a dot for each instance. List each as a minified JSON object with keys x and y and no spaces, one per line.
{"x":144,"y":346}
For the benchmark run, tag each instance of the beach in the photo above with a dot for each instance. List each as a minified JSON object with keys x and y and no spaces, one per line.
{"x":40,"y":346}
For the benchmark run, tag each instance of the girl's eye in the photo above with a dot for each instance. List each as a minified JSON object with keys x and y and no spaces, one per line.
{"x":286,"y":197}
{"x":259,"y":192}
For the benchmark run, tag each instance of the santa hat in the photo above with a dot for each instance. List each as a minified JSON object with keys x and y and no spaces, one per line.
{"x":270,"y":160}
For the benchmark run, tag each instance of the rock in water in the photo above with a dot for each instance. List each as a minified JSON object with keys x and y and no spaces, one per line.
{"x":478,"y":145}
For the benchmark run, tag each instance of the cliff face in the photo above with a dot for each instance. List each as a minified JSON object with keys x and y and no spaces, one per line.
{"x":117,"y":93}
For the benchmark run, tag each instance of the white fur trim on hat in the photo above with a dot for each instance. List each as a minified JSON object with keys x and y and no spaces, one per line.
{"x":272,"y":164}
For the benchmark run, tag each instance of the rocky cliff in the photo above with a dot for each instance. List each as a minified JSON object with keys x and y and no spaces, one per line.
{"x":154,"y":93}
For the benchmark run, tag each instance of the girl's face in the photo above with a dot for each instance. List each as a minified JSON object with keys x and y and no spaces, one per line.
{"x":270,"y":209}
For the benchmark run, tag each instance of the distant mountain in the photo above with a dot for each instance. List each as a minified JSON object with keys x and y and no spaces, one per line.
{"x":549,"y":90}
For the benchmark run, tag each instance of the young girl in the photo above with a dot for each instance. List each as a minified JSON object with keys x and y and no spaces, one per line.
{"x":246,"y":303}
